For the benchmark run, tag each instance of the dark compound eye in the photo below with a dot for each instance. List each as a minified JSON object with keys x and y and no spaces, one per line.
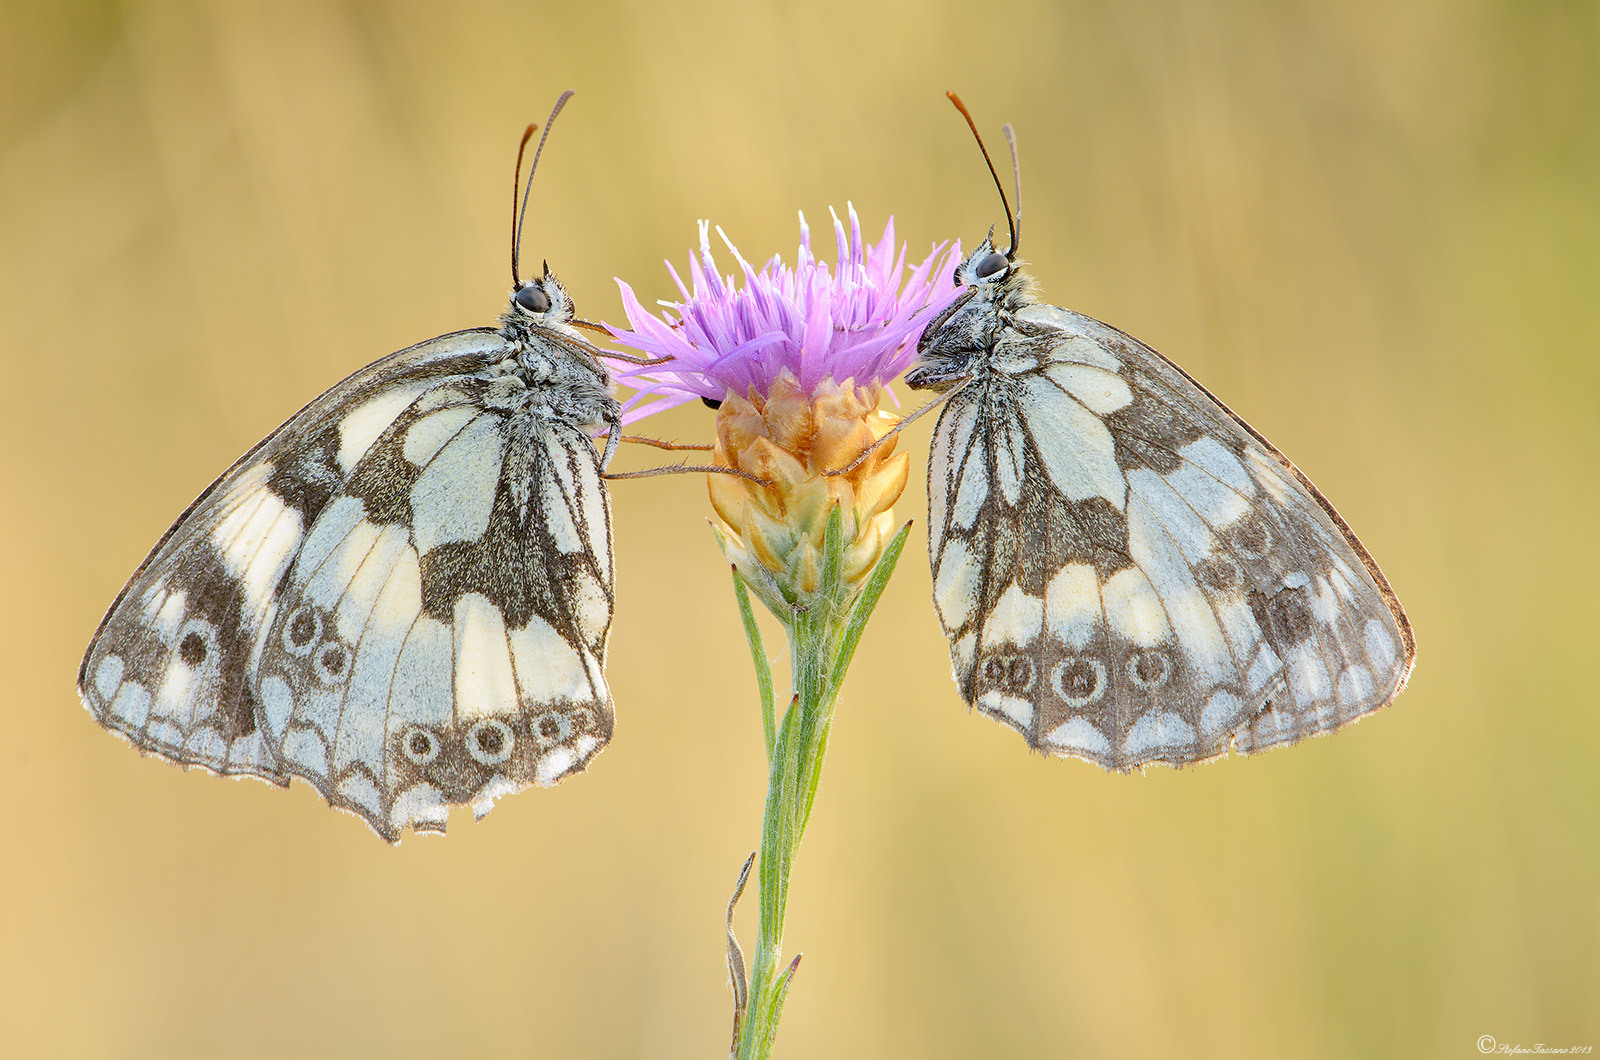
{"x":711,"y":403}
{"x":533,"y":299}
{"x":991,"y":266}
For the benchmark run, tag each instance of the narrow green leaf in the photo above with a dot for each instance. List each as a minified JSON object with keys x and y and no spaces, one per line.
{"x":815,"y":775}
{"x":832,"y":557}
{"x":781,"y":994}
{"x":870,"y":592}
{"x":813,"y":652}
{"x":758,"y":655}
{"x":777,"y":828}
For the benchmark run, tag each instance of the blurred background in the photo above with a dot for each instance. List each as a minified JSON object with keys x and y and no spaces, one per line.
{"x":1372,"y":228}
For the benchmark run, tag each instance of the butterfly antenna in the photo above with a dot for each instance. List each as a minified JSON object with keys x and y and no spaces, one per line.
{"x":522,"y":213}
{"x":516,"y":194}
{"x":1016,"y":177}
{"x":1011,"y":219}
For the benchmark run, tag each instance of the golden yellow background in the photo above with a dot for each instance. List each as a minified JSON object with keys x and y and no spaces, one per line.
{"x":1374,"y":228}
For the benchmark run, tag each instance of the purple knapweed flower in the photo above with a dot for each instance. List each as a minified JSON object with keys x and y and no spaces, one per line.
{"x":797,"y":361}
{"x":859,"y":321}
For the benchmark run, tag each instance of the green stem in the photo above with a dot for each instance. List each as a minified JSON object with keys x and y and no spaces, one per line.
{"x":795,"y":764}
{"x":822,"y":638}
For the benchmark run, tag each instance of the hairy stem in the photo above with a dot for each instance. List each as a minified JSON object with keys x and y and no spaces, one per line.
{"x":822,"y":638}
{"x":796,"y":760}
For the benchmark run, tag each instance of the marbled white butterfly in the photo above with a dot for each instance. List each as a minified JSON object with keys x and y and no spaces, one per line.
{"x":402,"y":595}
{"x":1126,"y":570}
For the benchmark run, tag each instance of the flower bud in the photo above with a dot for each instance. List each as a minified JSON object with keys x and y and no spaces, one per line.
{"x":798,"y":442}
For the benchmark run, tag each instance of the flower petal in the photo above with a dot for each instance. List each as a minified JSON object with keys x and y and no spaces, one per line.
{"x":860,"y":320}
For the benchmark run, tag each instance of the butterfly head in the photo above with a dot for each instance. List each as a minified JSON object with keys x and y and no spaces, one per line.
{"x":957,"y":340}
{"x":538,"y":307}
{"x":540,"y":301}
{"x":553,"y":357}
{"x":984,"y":267}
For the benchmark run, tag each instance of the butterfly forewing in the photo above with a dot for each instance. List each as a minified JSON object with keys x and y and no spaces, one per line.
{"x":402,"y":595}
{"x":1127,"y":572}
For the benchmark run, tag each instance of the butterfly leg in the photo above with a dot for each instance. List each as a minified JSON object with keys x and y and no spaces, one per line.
{"x":657,"y":443}
{"x":613,"y":437}
{"x":689,"y":469}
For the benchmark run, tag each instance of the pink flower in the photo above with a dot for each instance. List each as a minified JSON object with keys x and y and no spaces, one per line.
{"x":858,"y":321}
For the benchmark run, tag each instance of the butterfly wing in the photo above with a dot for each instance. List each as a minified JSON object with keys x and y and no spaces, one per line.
{"x":440,"y":637}
{"x":177,"y":665}
{"x":1128,"y":573}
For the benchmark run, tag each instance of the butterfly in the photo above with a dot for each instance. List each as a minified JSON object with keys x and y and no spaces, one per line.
{"x":403,"y":594}
{"x":1126,"y":570}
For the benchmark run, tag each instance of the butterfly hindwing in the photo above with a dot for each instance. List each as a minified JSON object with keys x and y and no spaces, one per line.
{"x":441,"y":636}
{"x":1128,"y":573}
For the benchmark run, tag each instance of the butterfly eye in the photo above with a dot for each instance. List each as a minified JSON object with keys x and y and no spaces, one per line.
{"x":533,"y":299}
{"x":711,"y":403}
{"x":991,"y":266}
